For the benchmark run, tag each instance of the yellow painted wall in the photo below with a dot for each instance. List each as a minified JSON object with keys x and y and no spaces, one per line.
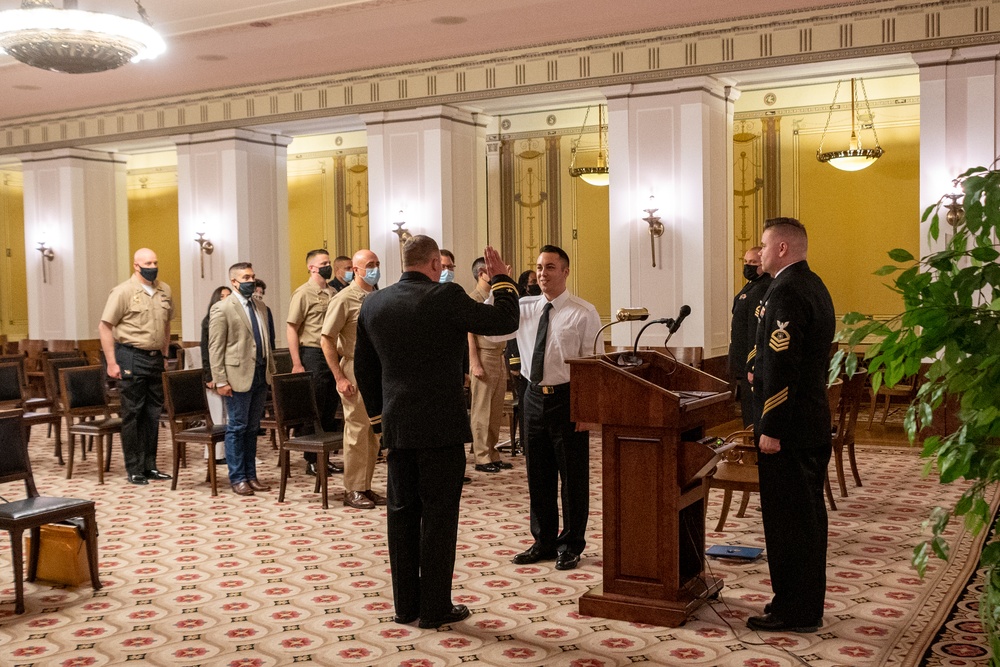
{"x":13,"y":278}
{"x":592,"y":262}
{"x":153,"y":223}
{"x":306,"y":218}
{"x":855,"y":218}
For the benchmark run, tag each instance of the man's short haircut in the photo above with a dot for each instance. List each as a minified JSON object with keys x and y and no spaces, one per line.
{"x":342,"y":258}
{"x":260,"y":283}
{"x":317,"y":251}
{"x":756,"y":248}
{"x":419,"y":250}
{"x":786,"y":225}
{"x":449,"y":254}
{"x":478,"y":265}
{"x":557,"y":250}
{"x":235,"y":269}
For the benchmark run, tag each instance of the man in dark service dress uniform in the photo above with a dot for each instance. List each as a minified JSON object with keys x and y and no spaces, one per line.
{"x":744,"y":328}
{"x":792,"y":424}
{"x":408,"y":361}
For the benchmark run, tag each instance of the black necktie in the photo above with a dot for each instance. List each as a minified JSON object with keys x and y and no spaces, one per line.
{"x":256,"y":332}
{"x":538,"y":355}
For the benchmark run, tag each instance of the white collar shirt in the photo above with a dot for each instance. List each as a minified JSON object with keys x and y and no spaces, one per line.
{"x":573,"y":323}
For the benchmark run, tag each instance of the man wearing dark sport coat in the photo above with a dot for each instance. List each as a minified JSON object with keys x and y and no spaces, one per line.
{"x":408,"y":362}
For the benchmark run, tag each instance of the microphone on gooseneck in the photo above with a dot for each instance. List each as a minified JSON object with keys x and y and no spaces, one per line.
{"x":684,"y":312}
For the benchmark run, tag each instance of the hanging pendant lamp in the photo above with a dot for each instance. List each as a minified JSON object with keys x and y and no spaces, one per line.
{"x":855,"y":157}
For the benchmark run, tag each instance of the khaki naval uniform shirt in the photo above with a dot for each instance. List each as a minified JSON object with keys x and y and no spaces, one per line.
{"x":341,"y":320}
{"x":307,"y":311}
{"x":482,"y":342}
{"x":140,"y":319}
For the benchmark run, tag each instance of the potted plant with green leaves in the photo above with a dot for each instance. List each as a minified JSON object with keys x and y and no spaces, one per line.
{"x":950,"y":326}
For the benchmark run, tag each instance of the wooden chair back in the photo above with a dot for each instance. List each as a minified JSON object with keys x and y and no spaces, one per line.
{"x":82,"y":391}
{"x":52,"y":367}
{"x":294,"y":401}
{"x":282,"y":360}
{"x":32,"y":349}
{"x":690,"y":356}
{"x":59,"y":345}
{"x":11,"y":385}
{"x":184,"y":396}
{"x":14,"y":462}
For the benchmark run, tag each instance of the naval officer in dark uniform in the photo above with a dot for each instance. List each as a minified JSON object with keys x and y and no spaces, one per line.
{"x":411,"y":343}
{"x":788,"y":370}
{"x":744,"y":328}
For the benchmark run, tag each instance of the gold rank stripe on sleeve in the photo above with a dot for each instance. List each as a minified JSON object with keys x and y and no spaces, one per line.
{"x":775,"y":401}
{"x":504,"y":285}
{"x":753,"y":353}
{"x":756,"y":312}
{"x":514,"y":361}
{"x":377,"y":419}
{"x":780,"y":338}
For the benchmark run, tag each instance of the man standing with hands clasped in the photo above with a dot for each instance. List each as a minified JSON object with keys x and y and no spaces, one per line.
{"x":555,"y":327}
{"x":788,"y":370}
{"x":135,"y":336}
{"x":408,"y":362}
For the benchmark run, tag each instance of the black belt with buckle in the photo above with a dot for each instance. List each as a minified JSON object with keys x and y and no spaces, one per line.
{"x":152,"y":353}
{"x":549,"y":389}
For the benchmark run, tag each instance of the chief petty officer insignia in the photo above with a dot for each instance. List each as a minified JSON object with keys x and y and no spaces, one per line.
{"x":780,"y":338}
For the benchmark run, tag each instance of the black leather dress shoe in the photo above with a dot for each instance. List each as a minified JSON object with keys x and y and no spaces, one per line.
{"x":404,"y":619}
{"x":487,"y":467}
{"x":331,"y":469}
{"x":458,"y":613}
{"x":771,"y":623}
{"x":567,"y":561}
{"x":137,"y":479}
{"x":503,"y":465}
{"x":533,"y":555}
{"x":767,"y":609}
{"x":153,"y":473}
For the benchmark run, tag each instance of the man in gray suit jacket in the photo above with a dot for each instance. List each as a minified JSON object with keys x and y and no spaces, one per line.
{"x":242,"y":364}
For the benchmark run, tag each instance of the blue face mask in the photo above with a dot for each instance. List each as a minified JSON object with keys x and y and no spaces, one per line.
{"x":447,"y":276}
{"x":348,"y":276}
{"x":371,"y":276}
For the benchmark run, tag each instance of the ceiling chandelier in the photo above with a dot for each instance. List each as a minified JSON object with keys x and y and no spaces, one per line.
{"x":75,"y":41}
{"x":855,"y":157}
{"x":593,"y":175}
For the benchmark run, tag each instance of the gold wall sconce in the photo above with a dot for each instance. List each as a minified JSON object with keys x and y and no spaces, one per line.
{"x":48,"y":254}
{"x":403,"y":233}
{"x":956,"y":212}
{"x":655,"y":227}
{"x":205,"y":247}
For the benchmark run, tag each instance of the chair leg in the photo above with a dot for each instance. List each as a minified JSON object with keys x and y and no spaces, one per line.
{"x":838,"y":460}
{"x":177,"y":449}
{"x":742,"y":512}
{"x":59,"y":454}
{"x":283,"y":459}
{"x":212,"y":473}
{"x":17,"y":560}
{"x":90,"y":527}
{"x":108,"y":451}
{"x":321,"y":473}
{"x":829,"y":494}
{"x":727,"y":498}
{"x":885,"y":413}
{"x":871,"y":410}
{"x":100,"y":457}
{"x":854,"y":464}
{"x":72,"y":448}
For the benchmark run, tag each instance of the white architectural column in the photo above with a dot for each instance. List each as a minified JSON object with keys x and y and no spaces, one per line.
{"x":76,"y":202}
{"x":427,"y":163}
{"x":233,"y":186}
{"x":672,"y":140}
{"x":959,"y":120}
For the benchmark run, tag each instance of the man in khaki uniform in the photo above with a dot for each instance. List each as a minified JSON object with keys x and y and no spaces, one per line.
{"x":339,"y":334}
{"x":305,"y":323}
{"x":135,"y":336}
{"x":487,"y":383}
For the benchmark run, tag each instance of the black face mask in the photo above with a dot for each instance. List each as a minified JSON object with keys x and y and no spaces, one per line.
{"x":534,"y":290}
{"x":750,"y":272}
{"x":246,"y":289}
{"x":148,"y":272}
{"x":326,"y":272}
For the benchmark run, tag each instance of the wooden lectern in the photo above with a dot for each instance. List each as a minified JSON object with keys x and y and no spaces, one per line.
{"x":652,"y":415}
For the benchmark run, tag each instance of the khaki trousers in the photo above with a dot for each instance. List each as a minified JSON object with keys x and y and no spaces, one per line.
{"x":360,"y":443}
{"x":487,"y":406}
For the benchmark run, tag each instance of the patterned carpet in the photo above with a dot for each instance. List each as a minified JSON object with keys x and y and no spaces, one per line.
{"x":248,"y":582}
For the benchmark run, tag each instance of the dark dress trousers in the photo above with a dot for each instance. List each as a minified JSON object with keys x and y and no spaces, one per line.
{"x":408,"y":363}
{"x":742,"y":336}
{"x":790,"y":364}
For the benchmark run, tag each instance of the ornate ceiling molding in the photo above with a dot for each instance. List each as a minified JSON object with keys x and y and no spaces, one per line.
{"x":846,"y":31}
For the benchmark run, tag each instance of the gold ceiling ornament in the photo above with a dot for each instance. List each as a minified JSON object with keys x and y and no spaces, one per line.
{"x":593,"y":175}
{"x":856,"y":157}
{"x":74,"y":41}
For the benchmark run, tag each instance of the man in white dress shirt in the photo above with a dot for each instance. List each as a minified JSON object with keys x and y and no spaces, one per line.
{"x":555,"y":327}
